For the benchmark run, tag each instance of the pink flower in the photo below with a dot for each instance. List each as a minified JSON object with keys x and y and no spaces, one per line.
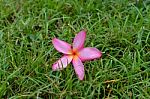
{"x":76,"y":53}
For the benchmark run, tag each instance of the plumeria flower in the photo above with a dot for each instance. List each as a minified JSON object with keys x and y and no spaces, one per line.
{"x":75,"y":53}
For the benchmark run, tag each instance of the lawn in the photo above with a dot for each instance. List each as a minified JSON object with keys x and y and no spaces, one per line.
{"x":119,"y":28}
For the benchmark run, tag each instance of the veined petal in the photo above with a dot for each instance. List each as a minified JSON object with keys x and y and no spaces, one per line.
{"x":61,"y":46}
{"x":62,"y":62}
{"x":89,"y":53}
{"x":78,"y":67}
{"x":79,"y":39}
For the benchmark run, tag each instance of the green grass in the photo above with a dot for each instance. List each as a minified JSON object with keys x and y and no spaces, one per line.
{"x":119,"y":28}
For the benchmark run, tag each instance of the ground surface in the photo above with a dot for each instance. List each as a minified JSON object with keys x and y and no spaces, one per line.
{"x":119,"y":28}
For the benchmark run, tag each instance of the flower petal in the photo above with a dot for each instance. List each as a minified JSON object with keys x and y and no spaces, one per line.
{"x":79,"y":39}
{"x":62,"y":62}
{"x":79,"y":68}
{"x":89,"y":53}
{"x":61,"y":46}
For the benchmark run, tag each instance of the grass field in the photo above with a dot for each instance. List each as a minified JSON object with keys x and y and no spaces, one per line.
{"x":119,"y":28}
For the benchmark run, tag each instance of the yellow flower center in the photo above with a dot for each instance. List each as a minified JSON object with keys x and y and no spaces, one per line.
{"x":74,"y":53}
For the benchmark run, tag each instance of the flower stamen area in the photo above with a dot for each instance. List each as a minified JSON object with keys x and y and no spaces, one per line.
{"x":74,"y":53}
